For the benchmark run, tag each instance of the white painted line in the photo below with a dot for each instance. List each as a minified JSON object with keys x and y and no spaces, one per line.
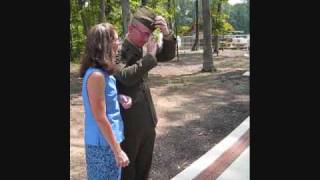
{"x":209,"y":157}
{"x":246,"y":73}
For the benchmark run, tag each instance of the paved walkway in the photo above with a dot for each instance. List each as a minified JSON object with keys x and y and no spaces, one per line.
{"x":239,"y":169}
{"x":228,"y":160}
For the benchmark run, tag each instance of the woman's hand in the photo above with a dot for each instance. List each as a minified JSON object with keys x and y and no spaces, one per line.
{"x":121,"y":159}
{"x":125,"y":101}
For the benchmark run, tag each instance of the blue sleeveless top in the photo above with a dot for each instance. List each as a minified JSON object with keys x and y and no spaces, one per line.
{"x":92,"y":133}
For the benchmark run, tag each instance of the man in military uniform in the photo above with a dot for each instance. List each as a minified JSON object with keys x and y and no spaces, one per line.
{"x":140,"y":120}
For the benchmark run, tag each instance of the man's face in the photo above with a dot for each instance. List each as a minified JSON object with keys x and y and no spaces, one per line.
{"x":139,"y":34}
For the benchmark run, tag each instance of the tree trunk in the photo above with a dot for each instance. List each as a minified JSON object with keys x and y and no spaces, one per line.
{"x":125,"y":15}
{"x":78,"y":53}
{"x":196,"y":41}
{"x":176,"y":28}
{"x":85,"y":23}
{"x":154,"y":4}
{"x":144,"y":2}
{"x":81,"y":3}
{"x":83,"y":17}
{"x":207,"y":51}
{"x":216,"y":44}
{"x":71,"y":47}
{"x":216,"y":35}
{"x":169,"y":19}
{"x":102,"y":16}
{"x":108,"y":9}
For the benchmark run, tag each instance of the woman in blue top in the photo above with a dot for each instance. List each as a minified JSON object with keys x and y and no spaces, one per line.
{"x":103,"y":122}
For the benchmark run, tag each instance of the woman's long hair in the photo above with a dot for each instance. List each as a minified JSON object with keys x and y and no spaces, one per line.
{"x":99,"y":49}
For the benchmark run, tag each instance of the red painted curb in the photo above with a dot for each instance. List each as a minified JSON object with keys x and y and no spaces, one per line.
{"x":214,"y":170}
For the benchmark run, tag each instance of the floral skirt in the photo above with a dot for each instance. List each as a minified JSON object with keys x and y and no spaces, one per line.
{"x":101,"y":164}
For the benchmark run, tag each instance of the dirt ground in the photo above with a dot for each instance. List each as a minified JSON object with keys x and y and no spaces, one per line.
{"x":195,"y":110}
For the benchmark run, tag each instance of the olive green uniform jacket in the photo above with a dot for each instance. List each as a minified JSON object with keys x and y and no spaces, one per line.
{"x":132,"y":80}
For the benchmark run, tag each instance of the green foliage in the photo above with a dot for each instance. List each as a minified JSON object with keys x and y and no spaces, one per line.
{"x":156,"y":35}
{"x":82,"y":18}
{"x":239,"y":17}
{"x":88,"y":16}
{"x":77,"y":32}
{"x":220,"y":25}
{"x":160,"y":7}
{"x":227,"y":27}
{"x":134,"y":4}
{"x":183,"y":29}
{"x":114,"y":15}
{"x":185,"y":12}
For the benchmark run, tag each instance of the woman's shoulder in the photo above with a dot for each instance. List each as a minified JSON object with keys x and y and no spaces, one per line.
{"x":94,"y":70}
{"x":94,"y":73}
{"x":97,"y":75}
{"x":96,"y":80}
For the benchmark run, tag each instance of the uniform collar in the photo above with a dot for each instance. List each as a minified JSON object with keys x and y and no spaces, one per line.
{"x":130,"y":46}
